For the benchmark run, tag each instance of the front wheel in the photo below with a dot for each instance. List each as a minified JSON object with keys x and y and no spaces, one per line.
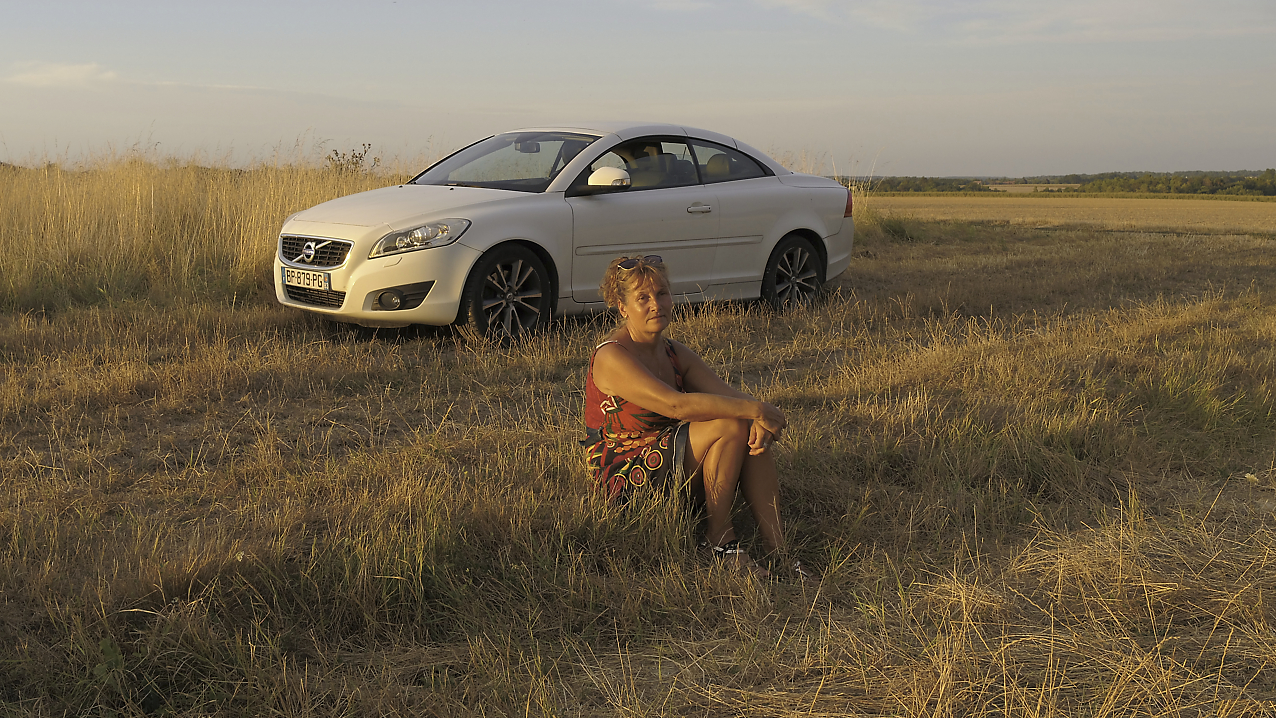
{"x":507,"y":294}
{"x":794,"y":274}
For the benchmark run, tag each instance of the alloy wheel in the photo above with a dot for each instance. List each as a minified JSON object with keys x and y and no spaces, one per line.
{"x":511,"y":301}
{"x":796,"y":280}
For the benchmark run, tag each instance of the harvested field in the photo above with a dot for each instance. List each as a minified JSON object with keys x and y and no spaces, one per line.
{"x":1173,"y":215}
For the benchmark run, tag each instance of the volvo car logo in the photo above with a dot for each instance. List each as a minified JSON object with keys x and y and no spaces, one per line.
{"x":310,"y":251}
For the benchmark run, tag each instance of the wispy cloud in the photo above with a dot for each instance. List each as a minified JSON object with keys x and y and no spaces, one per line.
{"x":59,"y":74}
{"x":66,"y":75}
{"x":75,"y":78}
{"x":1034,"y":21}
{"x":1106,"y":21}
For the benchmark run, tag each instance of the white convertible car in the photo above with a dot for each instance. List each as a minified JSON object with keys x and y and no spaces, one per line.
{"x":509,"y":231}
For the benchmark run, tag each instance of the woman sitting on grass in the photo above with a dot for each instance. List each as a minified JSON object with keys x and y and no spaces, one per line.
{"x":656,"y":414}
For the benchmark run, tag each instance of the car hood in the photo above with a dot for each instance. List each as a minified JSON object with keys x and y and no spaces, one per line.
{"x":402,"y":203}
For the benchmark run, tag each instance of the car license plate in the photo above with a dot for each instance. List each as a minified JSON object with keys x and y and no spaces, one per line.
{"x":309,"y":280}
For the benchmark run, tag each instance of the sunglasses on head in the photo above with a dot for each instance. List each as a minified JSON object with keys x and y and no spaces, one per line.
{"x":633,"y":261}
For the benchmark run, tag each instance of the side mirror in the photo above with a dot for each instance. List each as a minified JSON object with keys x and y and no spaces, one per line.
{"x":609,"y":177}
{"x":604,"y":180}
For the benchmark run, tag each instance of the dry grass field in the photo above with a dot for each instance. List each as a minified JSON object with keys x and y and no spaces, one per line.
{"x":1036,"y":469}
{"x":1170,"y":214}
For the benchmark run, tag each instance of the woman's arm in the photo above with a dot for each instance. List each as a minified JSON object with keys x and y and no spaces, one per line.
{"x":697,"y":376}
{"x":618,"y":373}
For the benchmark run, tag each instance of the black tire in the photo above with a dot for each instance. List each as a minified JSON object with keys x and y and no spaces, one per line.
{"x":507,"y":294}
{"x":794,"y":274}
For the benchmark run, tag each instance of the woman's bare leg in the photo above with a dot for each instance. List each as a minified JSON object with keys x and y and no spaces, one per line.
{"x":719,"y":450}
{"x":760,"y":484}
{"x":716,"y":450}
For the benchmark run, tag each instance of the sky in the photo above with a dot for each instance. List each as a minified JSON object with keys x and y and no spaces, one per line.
{"x":882,"y":87}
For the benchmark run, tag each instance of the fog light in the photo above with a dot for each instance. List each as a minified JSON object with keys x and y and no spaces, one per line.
{"x":390,"y":299}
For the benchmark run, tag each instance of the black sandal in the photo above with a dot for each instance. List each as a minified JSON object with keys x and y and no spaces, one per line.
{"x":731,"y":549}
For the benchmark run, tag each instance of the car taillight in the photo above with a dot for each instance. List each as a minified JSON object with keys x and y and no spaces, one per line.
{"x":849,"y":203}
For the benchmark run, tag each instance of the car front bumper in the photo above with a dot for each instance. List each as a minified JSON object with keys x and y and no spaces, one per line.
{"x":356,"y":284}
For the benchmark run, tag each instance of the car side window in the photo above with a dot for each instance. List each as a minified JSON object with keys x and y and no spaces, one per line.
{"x":719,"y":163}
{"x":610,"y":159}
{"x":652,"y":163}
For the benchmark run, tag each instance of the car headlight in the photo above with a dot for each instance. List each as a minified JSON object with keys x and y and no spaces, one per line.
{"x":427,"y":236}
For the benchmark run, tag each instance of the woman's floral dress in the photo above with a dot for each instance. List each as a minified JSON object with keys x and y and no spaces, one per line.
{"x":628,"y":446}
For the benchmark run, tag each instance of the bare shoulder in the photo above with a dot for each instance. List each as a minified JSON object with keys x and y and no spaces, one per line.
{"x":609,"y":352}
{"x":612,"y":359}
{"x":618,"y":372}
{"x":609,"y":347}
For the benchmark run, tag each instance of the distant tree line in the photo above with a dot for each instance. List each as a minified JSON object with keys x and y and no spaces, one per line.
{"x":1184,"y":183}
{"x":1196,"y":182}
{"x":924,"y":184}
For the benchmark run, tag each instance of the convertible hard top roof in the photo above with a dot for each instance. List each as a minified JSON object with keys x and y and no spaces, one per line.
{"x":630,"y":130}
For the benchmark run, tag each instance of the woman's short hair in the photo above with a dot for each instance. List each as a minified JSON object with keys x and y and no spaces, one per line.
{"x":616,"y":281}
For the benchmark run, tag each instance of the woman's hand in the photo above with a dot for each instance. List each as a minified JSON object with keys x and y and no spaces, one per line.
{"x":765,"y":429}
{"x":771,"y":419}
{"x":759,"y":439}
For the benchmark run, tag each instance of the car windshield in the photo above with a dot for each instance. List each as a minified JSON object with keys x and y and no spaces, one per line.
{"x":520,"y":161}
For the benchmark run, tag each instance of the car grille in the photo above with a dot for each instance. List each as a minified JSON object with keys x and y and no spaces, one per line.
{"x":328,"y":252}
{"x":318,"y":297}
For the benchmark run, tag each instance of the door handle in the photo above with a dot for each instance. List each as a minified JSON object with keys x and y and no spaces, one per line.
{"x":699,"y":208}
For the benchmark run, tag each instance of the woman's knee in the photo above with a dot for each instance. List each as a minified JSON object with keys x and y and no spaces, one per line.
{"x":714,"y":430}
{"x":729,"y":434}
{"x":734,"y":430}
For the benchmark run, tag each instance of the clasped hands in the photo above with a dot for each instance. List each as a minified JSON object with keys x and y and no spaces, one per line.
{"x":766,"y":431}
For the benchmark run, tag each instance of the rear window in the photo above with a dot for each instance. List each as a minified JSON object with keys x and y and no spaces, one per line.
{"x":719,"y":163}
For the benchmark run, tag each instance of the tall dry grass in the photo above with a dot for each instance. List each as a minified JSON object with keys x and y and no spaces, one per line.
{"x":135,"y":226}
{"x":1034,"y":468}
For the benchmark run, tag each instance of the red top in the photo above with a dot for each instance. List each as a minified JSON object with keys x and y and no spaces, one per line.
{"x":618,"y":431}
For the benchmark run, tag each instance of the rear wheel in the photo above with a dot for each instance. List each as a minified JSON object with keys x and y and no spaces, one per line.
{"x":507,"y":294}
{"x":794,"y":274}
